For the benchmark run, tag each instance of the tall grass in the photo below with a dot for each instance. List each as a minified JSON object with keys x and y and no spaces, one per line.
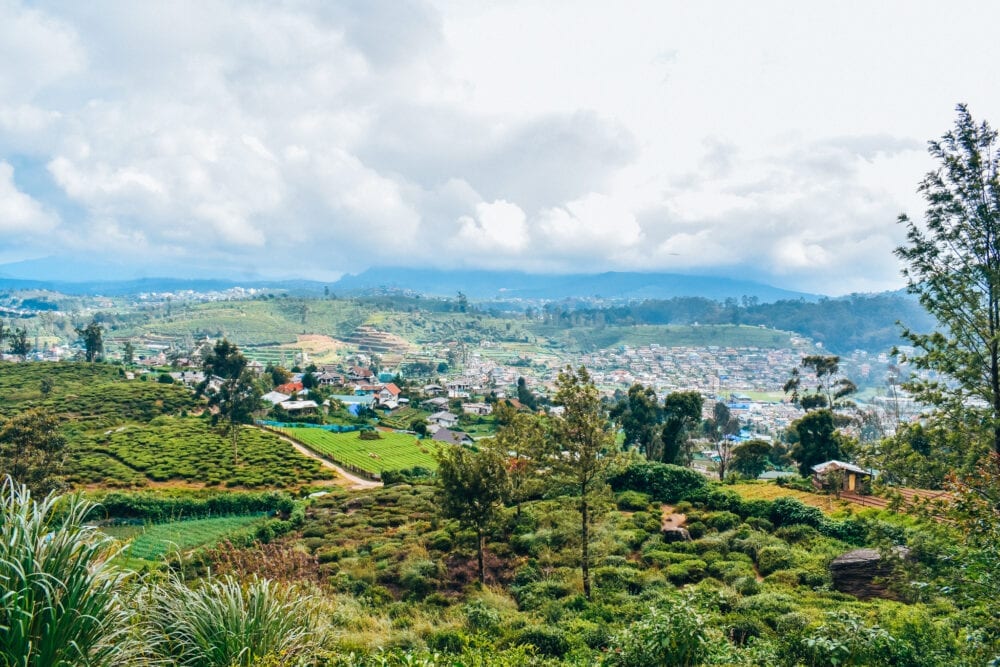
{"x":223,"y":622}
{"x":61,"y":602}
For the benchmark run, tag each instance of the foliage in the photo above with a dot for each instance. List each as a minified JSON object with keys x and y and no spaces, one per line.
{"x":682,"y":411}
{"x":953,"y":266}
{"x":815,"y":439}
{"x":830,"y":390}
{"x":472,"y":487}
{"x":751,"y":458}
{"x":61,"y":602}
{"x":225,"y":622}
{"x":92,"y":337}
{"x":157,"y":507}
{"x":173,"y":448}
{"x":19,"y":344}
{"x":673,"y":634}
{"x":663,"y":482}
{"x":32,"y":450}
{"x":582,"y":444}
{"x":638,"y":414}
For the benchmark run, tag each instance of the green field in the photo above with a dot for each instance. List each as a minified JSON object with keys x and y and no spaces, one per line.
{"x":190,"y":450}
{"x":152,"y":541}
{"x":393,"y":451}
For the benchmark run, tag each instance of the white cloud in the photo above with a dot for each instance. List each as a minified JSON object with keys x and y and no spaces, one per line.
{"x":20,"y":215}
{"x":497,"y":228}
{"x":317,"y":138}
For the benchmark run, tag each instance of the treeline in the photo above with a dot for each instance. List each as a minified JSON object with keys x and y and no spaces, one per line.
{"x":866,"y":322}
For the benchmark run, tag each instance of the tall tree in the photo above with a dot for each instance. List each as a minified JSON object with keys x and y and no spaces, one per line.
{"x":815,"y":439}
{"x":583,"y":450}
{"x":128,"y":353}
{"x":4,"y":332}
{"x":681,"y":411}
{"x":721,"y":428}
{"x":750,"y":458}
{"x":953,"y":266}
{"x":521,"y":442}
{"x":231,"y":388}
{"x":830,"y":389}
{"x":471,"y":488}
{"x":92,"y":337}
{"x":19,"y":344}
{"x":639,"y":414}
{"x":32,"y":450}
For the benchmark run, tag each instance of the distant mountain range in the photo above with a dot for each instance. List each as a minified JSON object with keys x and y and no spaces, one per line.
{"x":506,"y":285}
{"x":77,"y":277}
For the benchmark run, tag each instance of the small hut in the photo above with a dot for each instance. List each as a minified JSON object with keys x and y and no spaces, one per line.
{"x":839,"y":476}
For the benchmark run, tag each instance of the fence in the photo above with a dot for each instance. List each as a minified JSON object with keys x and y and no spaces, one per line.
{"x":335,"y":428}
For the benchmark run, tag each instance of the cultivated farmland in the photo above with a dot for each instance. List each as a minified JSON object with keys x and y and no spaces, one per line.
{"x":152,"y":541}
{"x":393,"y":451}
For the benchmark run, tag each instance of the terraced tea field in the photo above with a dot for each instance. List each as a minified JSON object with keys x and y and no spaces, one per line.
{"x":393,"y":451}
{"x":153,"y":541}
{"x":187,"y":450}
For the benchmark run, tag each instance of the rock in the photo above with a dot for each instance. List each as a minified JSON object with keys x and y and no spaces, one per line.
{"x":676,"y":534}
{"x":856,"y":572}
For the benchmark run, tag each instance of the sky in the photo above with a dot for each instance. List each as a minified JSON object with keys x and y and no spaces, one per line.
{"x":774,"y":141}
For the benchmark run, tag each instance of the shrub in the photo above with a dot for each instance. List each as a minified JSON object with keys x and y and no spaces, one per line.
{"x":663,"y":482}
{"x":670,"y":635}
{"x":722,"y":521}
{"x":789,"y":511}
{"x":480,"y":617}
{"x":770,"y":559}
{"x":547,"y":640}
{"x":446,"y":641}
{"x":696,"y":529}
{"x":632,"y":501}
{"x":369,"y":435}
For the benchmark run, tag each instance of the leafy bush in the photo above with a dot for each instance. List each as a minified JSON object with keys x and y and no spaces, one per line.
{"x":662,"y":482}
{"x":774,"y":558}
{"x":788,"y":511}
{"x":156,"y":508}
{"x":669,"y":635}
{"x":632,"y":501}
{"x":547,"y":640}
{"x":480,"y":617}
{"x":722,"y":521}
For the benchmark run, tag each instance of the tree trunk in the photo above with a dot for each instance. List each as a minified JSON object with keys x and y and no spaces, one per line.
{"x":585,"y":548}
{"x":480,"y":543}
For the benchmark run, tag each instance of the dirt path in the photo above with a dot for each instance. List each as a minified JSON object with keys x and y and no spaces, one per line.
{"x":671,"y":520}
{"x":353,"y":481}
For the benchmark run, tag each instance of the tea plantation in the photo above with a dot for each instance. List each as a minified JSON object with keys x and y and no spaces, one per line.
{"x":188,"y":449}
{"x":130,"y":433}
{"x":392,"y":451}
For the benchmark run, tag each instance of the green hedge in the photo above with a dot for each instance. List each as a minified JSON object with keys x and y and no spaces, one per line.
{"x":662,"y":482}
{"x":155,"y":508}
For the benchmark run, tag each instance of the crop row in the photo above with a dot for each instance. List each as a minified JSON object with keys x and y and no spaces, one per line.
{"x":156,"y":540}
{"x":187,"y":449}
{"x":393,"y":451}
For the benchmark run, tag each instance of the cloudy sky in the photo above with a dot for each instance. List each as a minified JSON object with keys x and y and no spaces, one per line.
{"x":774,"y":141}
